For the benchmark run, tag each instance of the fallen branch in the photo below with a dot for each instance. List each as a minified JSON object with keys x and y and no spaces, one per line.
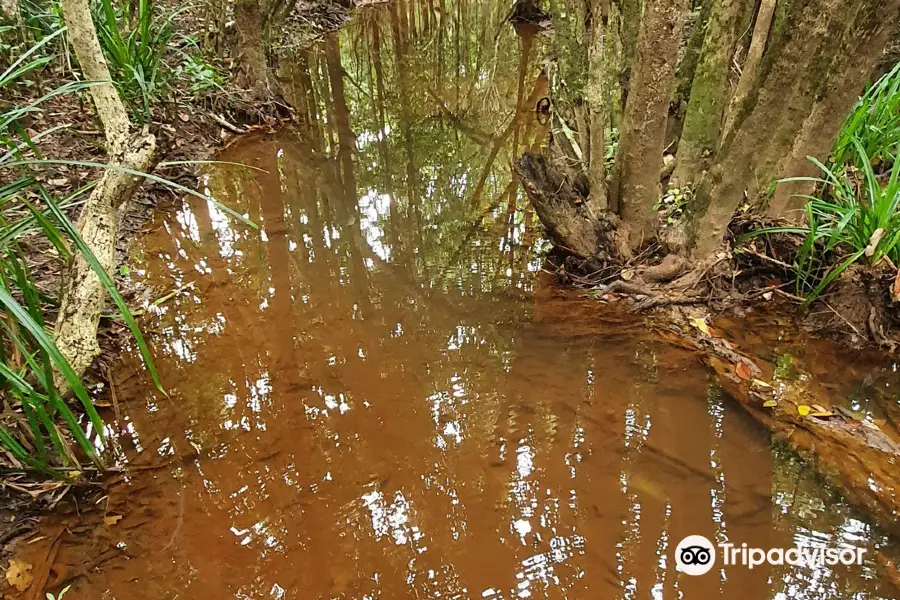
{"x":854,"y":456}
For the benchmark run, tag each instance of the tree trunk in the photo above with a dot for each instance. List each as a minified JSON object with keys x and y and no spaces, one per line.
{"x":10,"y":13}
{"x":630,"y":23}
{"x":854,"y":63}
{"x":709,"y":91}
{"x":251,"y":51}
{"x":750,"y":68}
{"x":568,"y":223}
{"x":643,"y":128}
{"x":83,"y":296}
{"x":602,"y":94}
{"x":799,"y":73}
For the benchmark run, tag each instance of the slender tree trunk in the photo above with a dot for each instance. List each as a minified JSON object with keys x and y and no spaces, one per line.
{"x":84,"y":296}
{"x":600,"y":96}
{"x":750,"y":68}
{"x":644,"y":124}
{"x":10,"y":13}
{"x":630,"y":23}
{"x":709,"y":91}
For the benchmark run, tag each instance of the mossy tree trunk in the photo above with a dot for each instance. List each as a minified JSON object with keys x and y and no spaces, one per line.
{"x":710,"y":90}
{"x":854,"y":63}
{"x":791,"y":85}
{"x":602,"y":93}
{"x":749,"y":121}
{"x":642,"y":134}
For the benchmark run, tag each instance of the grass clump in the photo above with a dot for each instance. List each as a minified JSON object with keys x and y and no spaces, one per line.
{"x":853,"y":216}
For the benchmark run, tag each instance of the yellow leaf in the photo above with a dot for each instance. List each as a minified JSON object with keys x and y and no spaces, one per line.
{"x":18,"y":574}
{"x":803,"y":410}
{"x":701,"y":325}
{"x":760,"y":383}
{"x":822,"y":413}
{"x":770,"y":404}
{"x":111,"y":520}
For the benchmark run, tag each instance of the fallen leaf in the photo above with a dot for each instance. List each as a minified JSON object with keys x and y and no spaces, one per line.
{"x":821,"y":413}
{"x":59,"y":182}
{"x":627,"y":274}
{"x":761,"y":383}
{"x":18,"y":574}
{"x":819,"y":408}
{"x":743,"y":371}
{"x":700,"y":323}
{"x":184,"y":117}
{"x":767,"y":296}
{"x":870,"y":425}
{"x":803,"y":410}
{"x":770,"y":404}
{"x":111,"y":520}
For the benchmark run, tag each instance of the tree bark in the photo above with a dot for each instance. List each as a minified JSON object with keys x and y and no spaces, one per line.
{"x":564,"y":215}
{"x":854,"y":64}
{"x":709,"y":91}
{"x":643,"y":128}
{"x":83,"y":295}
{"x":251,"y":51}
{"x":750,"y":68}
{"x":601,"y":94}
{"x":775,"y":111}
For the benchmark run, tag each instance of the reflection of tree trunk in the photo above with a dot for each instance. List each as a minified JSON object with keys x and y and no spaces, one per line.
{"x":395,"y":225}
{"x":538,"y":91}
{"x":283,"y":371}
{"x":309,"y":112}
{"x":346,"y":145}
{"x":346,"y":139}
{"x":404,"y":116}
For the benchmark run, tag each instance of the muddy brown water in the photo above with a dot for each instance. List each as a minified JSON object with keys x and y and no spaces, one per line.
{"x":378,"y":394}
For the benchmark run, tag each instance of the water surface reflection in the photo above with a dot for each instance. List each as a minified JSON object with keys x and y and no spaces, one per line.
{"x":378,"y":395}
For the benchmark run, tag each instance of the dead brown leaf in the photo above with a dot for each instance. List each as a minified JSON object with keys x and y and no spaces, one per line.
{"x":743,"y":371}
{"x":18,"y":574}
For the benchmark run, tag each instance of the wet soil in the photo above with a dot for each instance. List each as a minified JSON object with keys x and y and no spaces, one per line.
{"x":369,"y":397}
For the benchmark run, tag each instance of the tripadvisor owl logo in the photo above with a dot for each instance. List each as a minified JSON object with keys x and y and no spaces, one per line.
{"x":695,"y":555}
